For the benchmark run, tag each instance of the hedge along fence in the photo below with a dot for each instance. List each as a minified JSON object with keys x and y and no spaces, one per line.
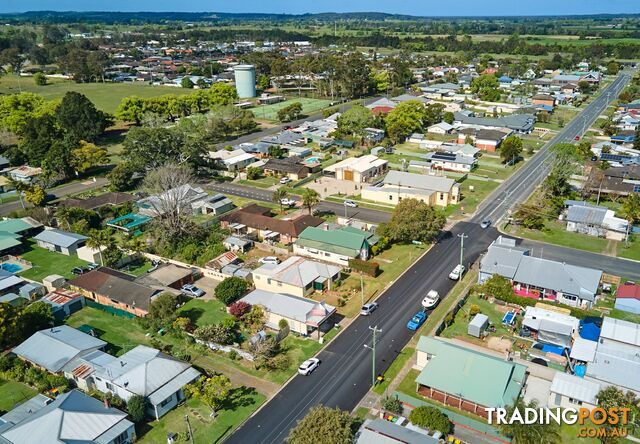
{"x":368,"y":268}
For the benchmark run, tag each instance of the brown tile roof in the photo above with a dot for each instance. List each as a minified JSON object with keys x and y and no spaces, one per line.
{"x":113,"y":198}
{"x":115,"y":285}
{"x":285,"y":166}
{"x":256,"y":218}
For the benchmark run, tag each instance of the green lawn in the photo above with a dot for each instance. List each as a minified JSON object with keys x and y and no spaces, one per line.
{"x":243,"y":403}
{"x":462,"y":319}
{"x":263,"y":182}
{"x":137,"y":268}
{"x":555,"y":233}
{"x":46,"y":262}
{"x":12,"y":393}
{"x":632,"y":251}
{"x":106,"y":96}
{"x":204,"y":312}
{"x":309,"y":106}
{"x":394,"y":369}
{"x":471,"y":198}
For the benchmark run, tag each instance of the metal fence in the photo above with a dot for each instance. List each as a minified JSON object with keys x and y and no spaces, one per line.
{"x":451,"y":314}
{"x":111,"y":310}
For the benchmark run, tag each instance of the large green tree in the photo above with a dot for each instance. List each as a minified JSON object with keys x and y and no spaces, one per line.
{"x":79,"y":118}
{"x":510,"y":149}
{"x":323,"y":425}
{"x":131,"y":109}
{"x":310,"y":198}
{"x":147,"y":148}
{"x":413,"y":220}
{"x":486,"y":87}
{"x":431,"y":418}
{"x":354,"y":120}
{"x":530,"y":433}
{"x":213,"y":391}
{"x":163,"y":308}
{"x":231,"y":289}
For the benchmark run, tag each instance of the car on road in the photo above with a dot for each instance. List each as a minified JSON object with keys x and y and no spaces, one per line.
{"x":457,"y":272}
{"x":269,"y":260}
{"x":350,"y":203}
{"x":369,"y":308}
{"x":417,"y":320}
{"x":308,"y":366}
{"x":192,"y":290}
{"x":285,"y":180}
{"x":485,"y":223}
{"x":431,"y":299}
{"x":288,"y":202}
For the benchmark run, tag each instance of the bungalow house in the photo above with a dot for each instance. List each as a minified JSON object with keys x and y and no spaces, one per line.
{"x":257,"y":220}
{"x":519,"y":123}
{"x":569,"y":391}
{"x":146,"y":372}
{"x":441,"y":128}
{"x":296,"y":276}
{"x":616,"y":181}
{"x":53,"y":349}
{"x":291,"y":167}
{"x":337,"y":245}
{"x":304,"y":316}
{"x":539,"y":278}
{"x":115,"y":289}
{"x":25,"y":173}
{"x":461,"y":149}
{"x":373,"y":135}
{"x":466,"y":379}
{"x":451,"y":162}
{"x":623,"y":137}
{"x":563,"y":79}
{"x":628,"y":298}
{"x":60,"y":241}
{"x":190,"y":200}
{"x":357,"y":169}
{"x":91,"y":203}
{"x":593,"y":220}
{"x":167,"y":275}
{"x":484,"y":139}
{"x":544,"y":99}
{"x":14,"y":231}
{"x":72,"y":417}
{"x":398,"y":185}
{"x":234,"y":160}
{"x":382,"y":106}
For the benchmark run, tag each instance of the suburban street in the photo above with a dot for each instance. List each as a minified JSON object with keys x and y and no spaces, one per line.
{"x":346,"y":371}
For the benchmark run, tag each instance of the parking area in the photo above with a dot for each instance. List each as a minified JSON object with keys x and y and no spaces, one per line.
{"x":208,"y":285}
{"x":328,"y":186}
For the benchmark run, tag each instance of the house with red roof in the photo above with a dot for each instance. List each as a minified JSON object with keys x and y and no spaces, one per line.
{"x":628,"y":298}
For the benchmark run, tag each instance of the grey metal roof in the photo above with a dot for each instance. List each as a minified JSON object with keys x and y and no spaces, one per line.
{"x":502,"y":260}
{"x":586,"y":214}
{"x":72,"y":418}
{"x":61,"y":238}
{"x":298,"y":271}
{"x":291,"y":307}
{"x":575,"y":387}
{"x":380,"y":431}
{"x":53,"y":348}
{"x":453,"y":158}
{"x":27,"y":408}
{"x":621,"y":331}
{"x":615,"y":366}
{"x":233,"y":240}
{"x":583,"y":349}
{"x":418,"y":181}
{"x":518,"y":122}
{"x":173,"y":385}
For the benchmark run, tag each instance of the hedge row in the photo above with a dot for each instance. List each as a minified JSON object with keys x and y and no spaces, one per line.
{"x":368,"y":268}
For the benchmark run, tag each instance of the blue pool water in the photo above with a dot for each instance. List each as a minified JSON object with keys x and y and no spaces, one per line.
{"x":547,"y":348}
{"x":11,"y":268}
{"x":509,"y":318}
{"x":312,"y":160}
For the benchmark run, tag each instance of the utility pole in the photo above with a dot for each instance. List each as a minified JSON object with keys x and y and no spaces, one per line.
{"x":375,"y":330}
{"x":462,"y":238}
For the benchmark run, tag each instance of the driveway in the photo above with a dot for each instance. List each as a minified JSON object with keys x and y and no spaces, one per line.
{"x":328,"y":186}
{"x":208,"y":285}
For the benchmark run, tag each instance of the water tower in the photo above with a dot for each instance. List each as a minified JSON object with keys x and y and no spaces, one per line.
{"x":245,"y":80}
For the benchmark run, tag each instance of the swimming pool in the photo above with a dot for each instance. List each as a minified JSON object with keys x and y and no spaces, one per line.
{"x":11,"y":268}
{"x":312,"y":160}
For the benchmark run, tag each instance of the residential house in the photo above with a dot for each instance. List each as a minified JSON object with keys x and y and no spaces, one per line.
{"x":398,"y":185}
{"x":583,"y":217}
{"x":381,"y":431}
{"x":188,"y":199}
{"x":296,"y":276}
{"x":484,"y":139}
{"x":14,"y":231}
{"x":257,"y":220}
{"x":382,"y":106}
{"x":335,"y":245}
{"x":16,"y":300}
{"x":146,"y":372}
{"x":465,"y":378}
{"x":550,"y":326}
{"x":372,"y":135}
{"x":291,"y":167}
{"x":462,"y":149}
{"x":569,"y":391}
{"x":217,"y":204}
{"x":232,"y":161}
{"x":91,"y":203}
{"x":64,"y":303}
{"x":451,"y":162}
{"x":615,"y":181}
{"x":519,"y":123}
{"x":441,"y":128}
{"x":544,"y":99}
{"x":167,"y":275}
{"x":53,"y":349}
{"x":72,"y":417}
{"x":563,"y":79}
{"x":237,"y":244}
{"x":623,"y":137}
{"x":9,"y":282}
{"x":60,"y":241}
{"x":415,"y":138}
{"x":628,"y":298}
{"x":357,"y":169}
{"x":617,"y":357}
{"x":25,"y":173}
{"x":304,"y":316}
{"x":115,"y":289}
{"x":540,"y":278}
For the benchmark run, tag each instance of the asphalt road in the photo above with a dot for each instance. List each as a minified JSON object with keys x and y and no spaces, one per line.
{"x":361,"y":213}
{"x":61,"y":191}
{"x":344,"y":376}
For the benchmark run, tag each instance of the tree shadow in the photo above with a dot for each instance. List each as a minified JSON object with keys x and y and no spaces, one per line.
{"x":193,"y":314}
{"x":240,"y":397}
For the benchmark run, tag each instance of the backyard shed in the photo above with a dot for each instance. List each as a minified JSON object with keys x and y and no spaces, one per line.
{"x":53,"y":282}
{"x":477,"y":325}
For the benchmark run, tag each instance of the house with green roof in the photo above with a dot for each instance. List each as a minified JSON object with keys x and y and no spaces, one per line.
{"x":466,"y":379}
{"x":13,"y":231}
{"x":335,"y":245}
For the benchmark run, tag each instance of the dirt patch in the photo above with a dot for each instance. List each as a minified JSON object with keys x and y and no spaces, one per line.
{"x":499,"y":344}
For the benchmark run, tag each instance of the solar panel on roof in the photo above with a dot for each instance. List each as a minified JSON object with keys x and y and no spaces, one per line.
{"x":636,"y":189}
{"x":613,"y":157}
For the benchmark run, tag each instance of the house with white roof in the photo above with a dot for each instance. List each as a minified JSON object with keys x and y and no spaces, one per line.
{"x":551,"y":327}
{"x":60,"y":241}
{"x":234,"y":160}
{"x":146,"y":372}
{"x":398,"y":185}
{"x":583,"y":217}
{"x":304,"y":316}
{"x":569,"y":391}
{"x":72,"y":417}
{"x":441,"y":128}
{"x":357,"y":169}
{"x":297,"y":276}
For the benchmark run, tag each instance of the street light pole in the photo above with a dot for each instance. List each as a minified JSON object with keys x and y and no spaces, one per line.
{"x":462,"y":237}
{"x":375,"y":330}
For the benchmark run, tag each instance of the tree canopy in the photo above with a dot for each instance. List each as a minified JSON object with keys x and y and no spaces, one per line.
{"x":413,"y":220}
{"x":323,"y":425}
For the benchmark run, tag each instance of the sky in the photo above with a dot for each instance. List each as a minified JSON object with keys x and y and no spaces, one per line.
{"x":412,"y":7}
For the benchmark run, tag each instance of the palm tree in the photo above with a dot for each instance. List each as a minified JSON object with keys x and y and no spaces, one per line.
{"x":278,"y":195}
{"x":98,"y":239}
{"x":528,"y":433}
{"x":63,"y":216}
{"x":310,"y":198}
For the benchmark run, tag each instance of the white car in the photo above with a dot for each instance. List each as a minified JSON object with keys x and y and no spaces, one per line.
{"x":285,"y":180}
{"x":369,"y":308}
{"x":192,"y":290}
{"x":269,"y":260}
{"x":350,"y":203}
{"x":457,"y":272}
{"x":431,"y":299}
{"x":288,"y":202}
{"x":308,"y":366}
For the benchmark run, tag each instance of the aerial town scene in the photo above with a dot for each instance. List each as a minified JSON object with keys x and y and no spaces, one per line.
{"x":361,"y":222}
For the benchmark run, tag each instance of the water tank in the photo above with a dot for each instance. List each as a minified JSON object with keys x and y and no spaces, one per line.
{"x":245,"y":80}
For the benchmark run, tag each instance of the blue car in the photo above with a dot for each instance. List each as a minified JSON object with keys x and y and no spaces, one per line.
{"x":417,"y":320}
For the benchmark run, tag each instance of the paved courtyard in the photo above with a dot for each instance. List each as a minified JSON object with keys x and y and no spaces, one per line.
{"x":328,"y":186}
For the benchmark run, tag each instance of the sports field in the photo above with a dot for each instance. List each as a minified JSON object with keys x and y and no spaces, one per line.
{"x":106,"y":96}
{"x":309,"y":106}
